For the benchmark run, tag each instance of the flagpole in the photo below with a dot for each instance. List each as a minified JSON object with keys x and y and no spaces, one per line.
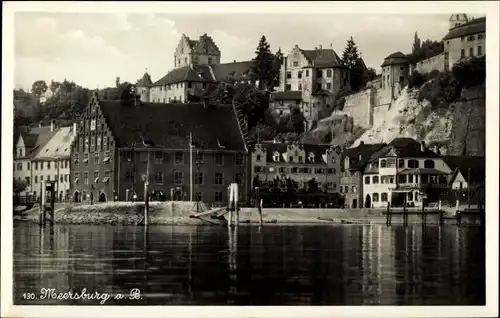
{"x":190,"y":166}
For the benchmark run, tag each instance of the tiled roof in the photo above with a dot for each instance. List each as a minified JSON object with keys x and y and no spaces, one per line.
{"x":205,"y":45}
{"x":288,"y":95}
{"x":395,"y":58}
{"x":463,"y":163}
{"x":238,"y":71}
{"x":36,"y":138}
{"x":59,"y":145}
{"x":281,"y":147}
{"x":365,"y":150}
{"x":168,"y":125}
{"x":194,"y":73}
{"x":404,"y":147}
{"x":472,"y":27}
{"x":323,"y":58}
{"x":145,"y":81}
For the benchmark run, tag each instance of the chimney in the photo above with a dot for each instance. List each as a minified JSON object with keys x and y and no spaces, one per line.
{"x":74,"y":129}
{"x":234,"y":61}
{"x":436,"y":149}
{"x":52,"y":125}
{"x":422,"y":146}
{"x":331,"y":45}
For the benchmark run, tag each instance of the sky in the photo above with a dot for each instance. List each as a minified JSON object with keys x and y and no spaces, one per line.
{"x":92,"y":49}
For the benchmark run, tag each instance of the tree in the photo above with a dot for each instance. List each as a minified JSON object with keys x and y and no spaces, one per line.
{"x":19,"y":185}
{"x":416,"y":44}
{"x":370,"y":75}
{"x":312,"y":185}
{"x":54,"y":86}
{"x":275,"y":75}
{"x":117,"y":82}
{"x":39,"y":87}
{"x":351,"y":59}
{"x":263,"y":64}
{"x":127,"y":93}
{"x":296,"y":121}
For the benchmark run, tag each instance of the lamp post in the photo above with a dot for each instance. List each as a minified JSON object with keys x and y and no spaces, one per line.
{"x":190,"y":166}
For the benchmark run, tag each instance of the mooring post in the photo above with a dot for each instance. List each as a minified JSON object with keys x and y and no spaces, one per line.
{"x":388,"y":216}
{"x":43,"y":198}
{"x":52,"y":202}
{"x":457,"y":213}
{"x":424,"y":216}
{"x":258,"y":203}
{"x":405,"y":215}
{"x":229,"y":224}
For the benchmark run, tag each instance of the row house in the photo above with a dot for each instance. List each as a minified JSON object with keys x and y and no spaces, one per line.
{"x":404,"y":171}
{"x":353,"y":164}
{"x":300,"y":162}
{"x":120,"y":146}
{"x":27,"y":146}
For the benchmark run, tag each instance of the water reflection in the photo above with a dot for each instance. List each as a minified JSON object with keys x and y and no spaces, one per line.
{"x":247,"y":265}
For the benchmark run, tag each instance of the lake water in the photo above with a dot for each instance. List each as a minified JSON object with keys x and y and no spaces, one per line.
{"x":274,"y":265}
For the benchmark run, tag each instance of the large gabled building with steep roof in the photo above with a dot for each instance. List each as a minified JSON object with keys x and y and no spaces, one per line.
{"x":197,"y":67}
{"x":116,"y":140}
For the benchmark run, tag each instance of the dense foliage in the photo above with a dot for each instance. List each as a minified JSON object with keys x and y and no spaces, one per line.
{"x":424,"y":50}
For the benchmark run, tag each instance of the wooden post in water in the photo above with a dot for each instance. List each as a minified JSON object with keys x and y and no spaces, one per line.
{"x":230,"y":223}
{"x":457,"y":213}
{"x":424,"y":216}
{"x":52,"y":202}
{"x":258,"y":204}
{"x":43,"y":196}
{"x":388,"y":216}
{"x":405,"y":214}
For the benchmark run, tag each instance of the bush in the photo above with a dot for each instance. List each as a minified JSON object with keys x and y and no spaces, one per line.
{"x":470,"y":72}
{"x":416,"y":79}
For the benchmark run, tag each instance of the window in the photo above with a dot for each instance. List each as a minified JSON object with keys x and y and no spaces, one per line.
{"x":288,"y":87}
{"x":354,"y":189}
{"x":27,"y":180}
{"x":299,"y":74}
{"x":239,"y":178}
{"x":328,"y":85}
{"x":96,"y":176}
{"x":178,"y":178}
{"x":20,"y":166}
{"x":391,"y":163}
{"x":384,"y":197}
{"x":401,"y":163}
{"x":429,"y":164}
{"x":300,"y":88}
{"x":218,"y":196}
{"x":412,"y":163}
{"x":329,"y":73}
{"x":471,"y":38}
{"x":479,"y":50}
{"x":301,"y":159}
{"x":367,"y":180}
{"x":106,"y":157}
{"x":239,"y":159}
{"x":318,"y":86}
{"x":179,"y":158}
{"x":276,"y":157}
{"x":209,"y":60}
{"x":462,"y":53}
{"x":332,"y":171}
{"x":199,"y":157}
{"x":402,"y":68}
{"x":311,"y":158}
{"x":86,"y":177}
{"x":76,"y":176}
{"x":48,"y":164}
{"x":257,"y":158}
{"x":383,"y":163}
{"x":86,"y":158}
{"x":219,"y":159}
{"x":158,"y":177}
{"x":307,"y":73}
{"x":295,"y":63}
{"x":219,"y":178}
{"x":36,"y":165}
{"x":158,"y":157}
{"x":410,"y":196}
{"x":105,"y":142}
{"x":29,"y":166}
{"x":319,"y":73}
{"x":401,"y":179}
{"x":401,"y":79}
{"x":480,"y":36}
{"x":346,"y":189}
{"x":471,"y":51}
{"x":198,"y":178}
{"x":36,"y":179}
{"x":341,"y":189}
{"x":375,"y":180}
{"x":375,"y":197}
{"x":96,"y":158}
{"x":199,"y":196}
{"x":288,"y":75}
{"x":99,"y":143}
{"x":258,"y":169}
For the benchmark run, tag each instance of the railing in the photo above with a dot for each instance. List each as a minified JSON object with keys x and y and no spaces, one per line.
{"x":25,"y":199}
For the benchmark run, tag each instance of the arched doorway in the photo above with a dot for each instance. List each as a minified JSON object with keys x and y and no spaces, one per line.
{"x":102,"y":197}
{"x":178,"y":195}
{"x":368,"y":201}
{"x":76,"y":197}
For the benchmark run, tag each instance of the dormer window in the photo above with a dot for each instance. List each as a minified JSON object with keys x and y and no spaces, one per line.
{"x":290,"y":159}
{"x":311,"y":157}
{"x":276,"y":156}
{"x":300,"y":159}
{"x":258,"y":158}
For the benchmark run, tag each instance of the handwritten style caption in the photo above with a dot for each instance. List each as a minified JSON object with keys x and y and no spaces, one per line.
{"x":51,"y":293}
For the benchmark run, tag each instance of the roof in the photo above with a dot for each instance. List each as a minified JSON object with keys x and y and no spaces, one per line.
{"x":59,"y":145}
{"x":237,"y":70}
{"x":365,"y":150}
{"x":35,"y":139}
{"x":205,"y":45}
{"x":421,"y":171}
{"x":469,"y":28}
{"x":323,"y":57}
{"x":404,"y":147}
{"x":169,"y":125}
{"x":288,"y":95}
{"x":192,"y":73}
{"x":395,"y":58}
{"x":463,"y":163}
{"x":281,"y":147}
{"x":145,"y":81}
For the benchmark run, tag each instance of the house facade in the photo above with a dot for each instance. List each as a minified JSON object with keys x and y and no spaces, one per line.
{"x":27,"y":146}
{"x":300,"y":162}
{"x":197,"y":67}
{"x":404,"y":171}
{"x":466,"y":38}
{"x":120,"y":146}
{"x":352,"y":165}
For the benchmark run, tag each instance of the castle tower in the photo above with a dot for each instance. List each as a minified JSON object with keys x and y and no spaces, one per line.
{"x":203,"y":51}
{"x":395,"y":72}
{"x":458,"y":19}
{"x":143,"y":87}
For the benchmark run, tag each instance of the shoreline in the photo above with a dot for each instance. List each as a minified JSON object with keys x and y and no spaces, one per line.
{"x":178,"y":213}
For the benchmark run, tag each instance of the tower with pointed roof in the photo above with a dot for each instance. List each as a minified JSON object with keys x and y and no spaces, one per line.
{"x":143,"y":86}
{"x":458,"y":19}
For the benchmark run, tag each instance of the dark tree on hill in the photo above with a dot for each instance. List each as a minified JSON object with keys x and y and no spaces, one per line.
{"x":39,"y":87}
{"x":117,"y":81}
{"x":351,"y":59}
{"x":278,"y":60}
{"x":424,"y":50}
{"x":127,"y":93}
{"x":417,"y":44}
{"x":19,"y":185}
{"x":370,"y":74}
{"x":263,"y":64}
{"x":54,"y":86}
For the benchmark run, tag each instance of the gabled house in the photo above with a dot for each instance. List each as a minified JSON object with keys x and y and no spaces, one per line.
{"x":468,"y":172}
{"x":404,"y":171}
{"x":352,"y":164}
{"x":300,"y":162}
{"x":118,"y":142}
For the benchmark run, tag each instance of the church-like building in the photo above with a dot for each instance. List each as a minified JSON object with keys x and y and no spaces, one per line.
{"x":197,"y":67}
